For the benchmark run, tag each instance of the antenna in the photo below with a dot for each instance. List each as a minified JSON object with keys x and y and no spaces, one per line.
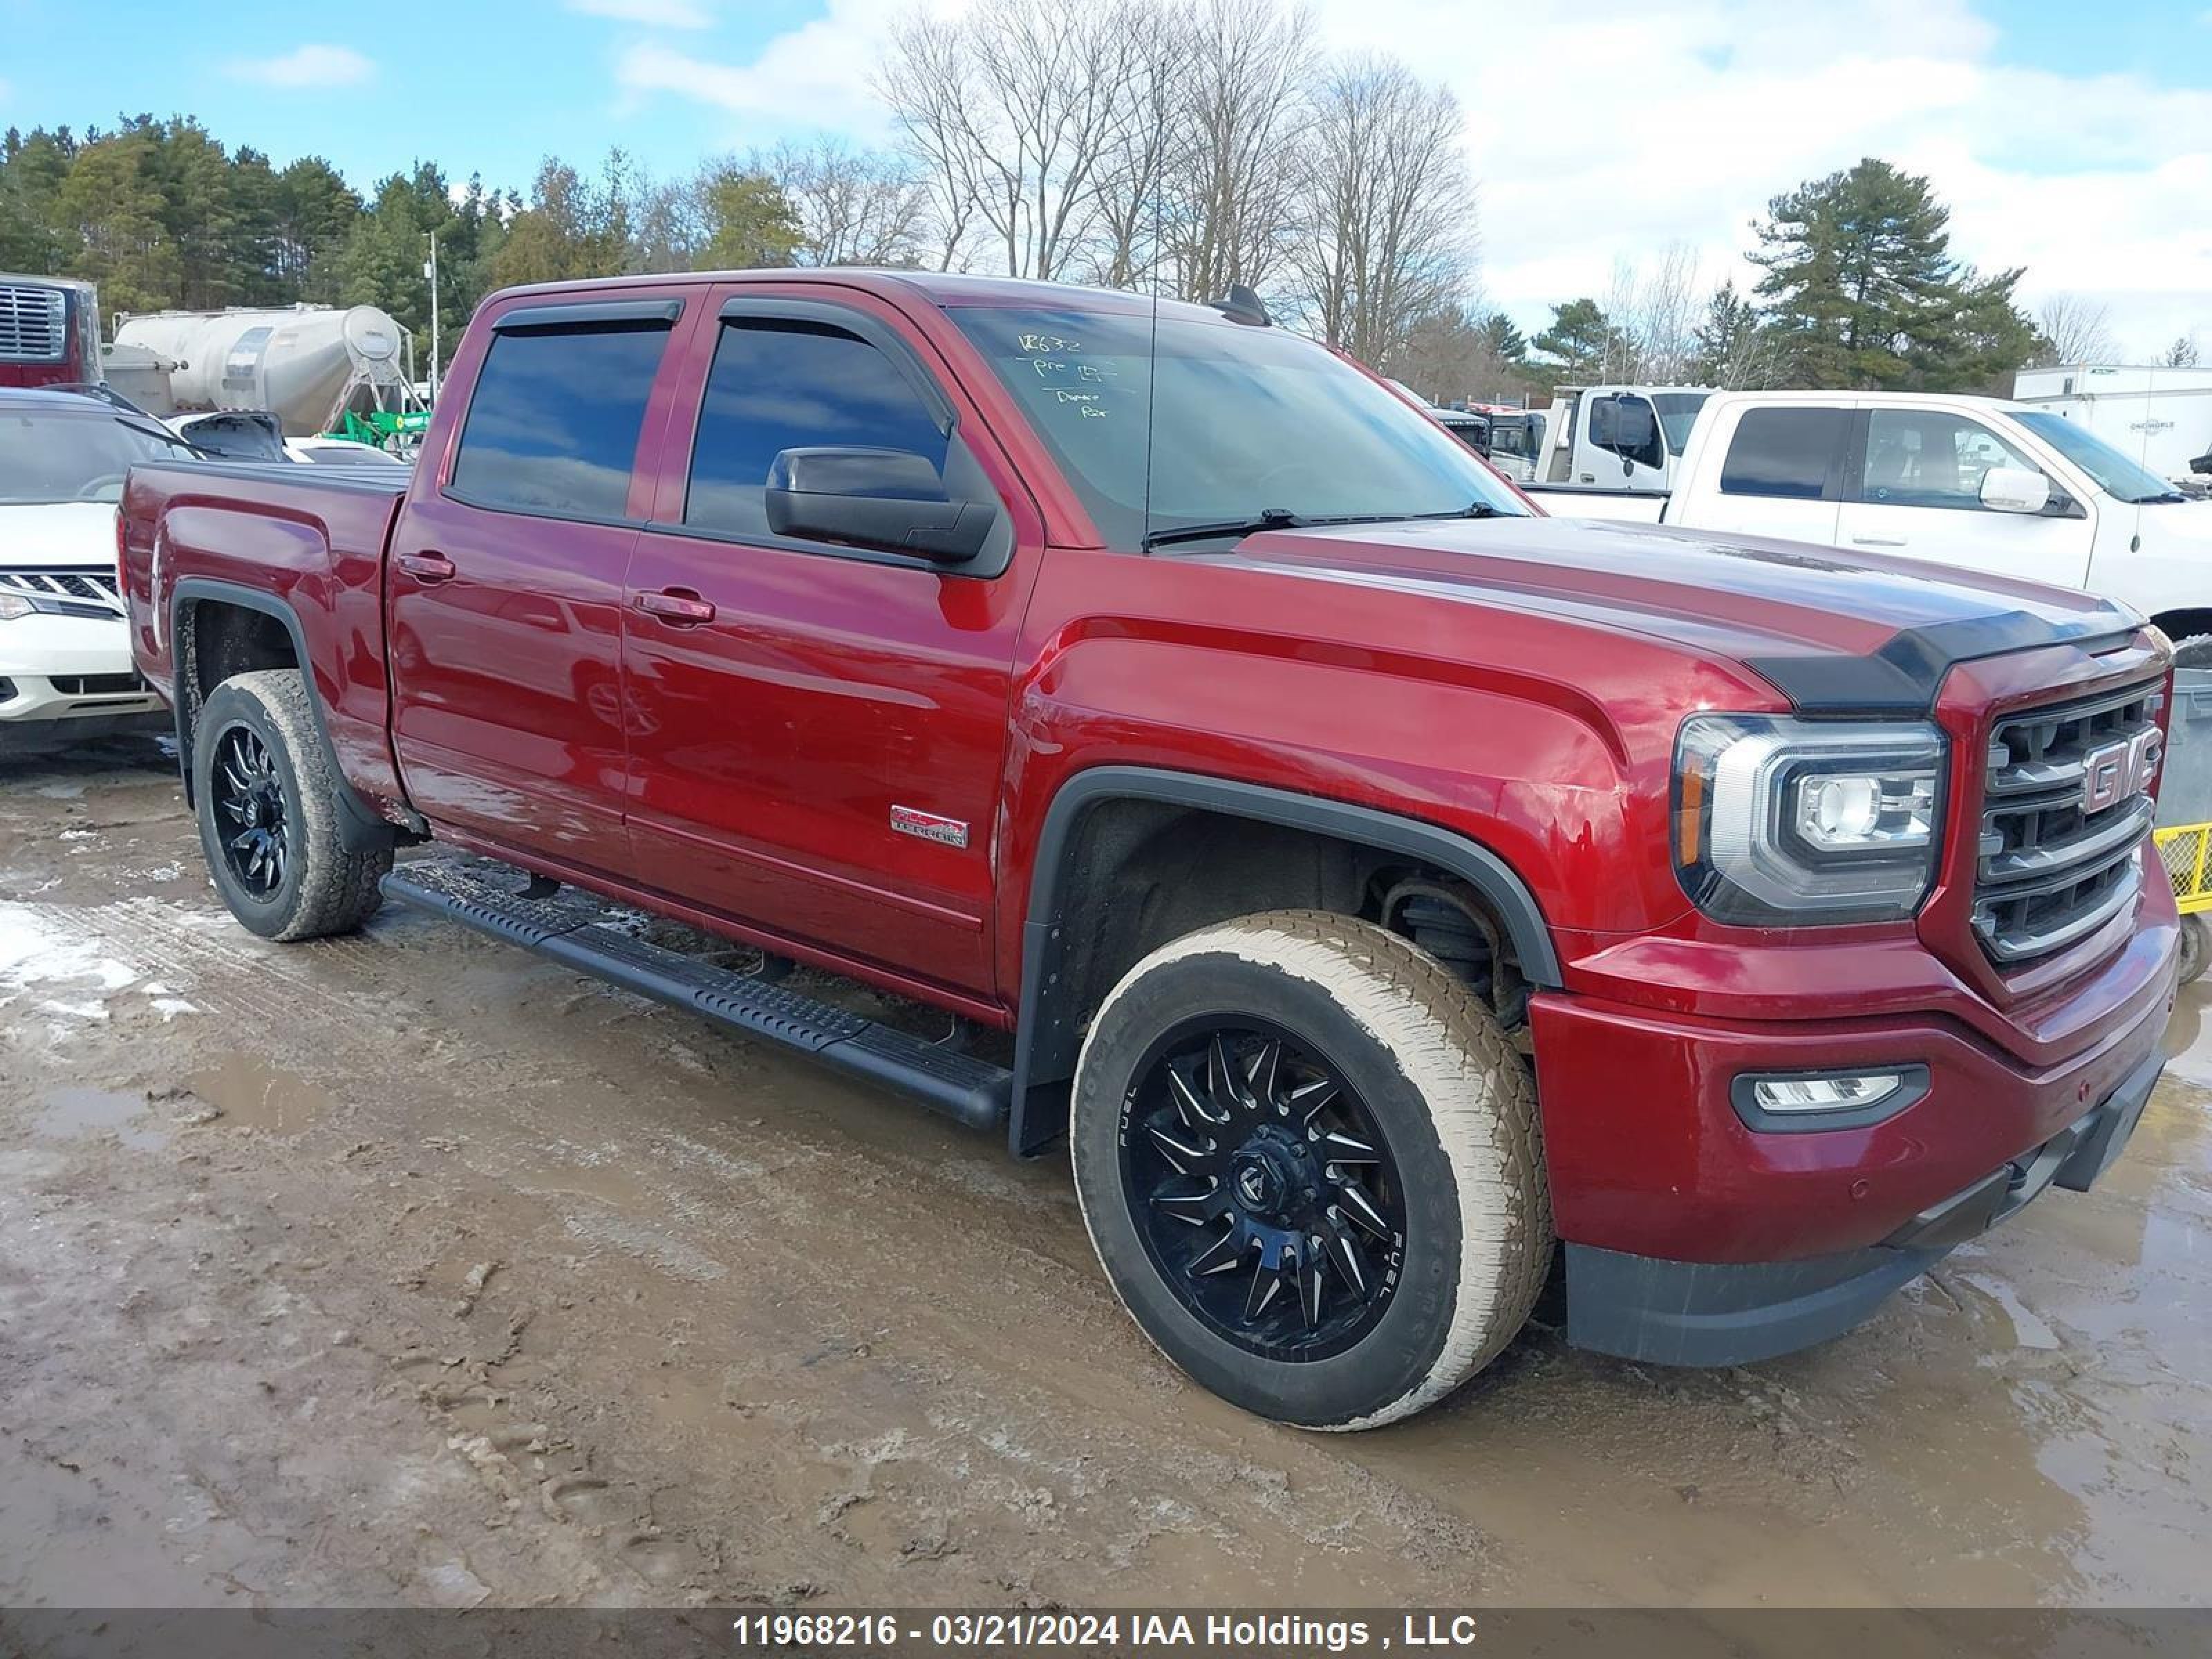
{"x":1243,"y":306}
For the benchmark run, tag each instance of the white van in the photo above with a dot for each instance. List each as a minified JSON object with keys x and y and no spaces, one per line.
{"x":1971,"y":481}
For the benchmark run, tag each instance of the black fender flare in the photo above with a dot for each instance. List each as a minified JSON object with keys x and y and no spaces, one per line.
{"x":1048,"y":1036}
{"x":360,"y":828}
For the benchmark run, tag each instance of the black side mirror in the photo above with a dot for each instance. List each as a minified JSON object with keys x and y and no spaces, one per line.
{"x":891,"y":499}
{"x":1623,"y":424}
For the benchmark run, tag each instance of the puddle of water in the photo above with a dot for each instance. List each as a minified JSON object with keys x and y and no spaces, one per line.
{"x":72,"y":1113}
{"x":2028,"y":1331}
{"x":2189,"y":1035}
{"x":252,"y":1094}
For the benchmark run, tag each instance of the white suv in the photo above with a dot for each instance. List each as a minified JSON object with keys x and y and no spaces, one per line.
{"x":65,"y":670}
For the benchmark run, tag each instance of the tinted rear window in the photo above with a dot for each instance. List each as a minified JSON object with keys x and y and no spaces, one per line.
{"x":1783,"y":451}
{"x":554,"y":421}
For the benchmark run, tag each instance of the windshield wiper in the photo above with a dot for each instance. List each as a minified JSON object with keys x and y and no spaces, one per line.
{"x":1276,"y":518}
{"x":167,"y":436}
{"x":1472,"y":510}
{"x":1271,"y":517}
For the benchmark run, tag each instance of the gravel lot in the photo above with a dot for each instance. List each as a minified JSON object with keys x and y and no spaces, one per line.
{"x":408,"y":1269}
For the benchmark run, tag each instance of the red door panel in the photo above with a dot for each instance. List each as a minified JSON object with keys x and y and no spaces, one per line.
{"x":772,"y":744}
{"x":505,"y":583}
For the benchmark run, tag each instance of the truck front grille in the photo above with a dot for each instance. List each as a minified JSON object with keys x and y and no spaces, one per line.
{"x":33,"y":324}
{"x":2061,"y":827}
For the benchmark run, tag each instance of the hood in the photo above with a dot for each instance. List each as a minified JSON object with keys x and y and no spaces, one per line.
{"x":55,"y":533}
{"x":1830,"y":632}
{"x":2175,"y":526}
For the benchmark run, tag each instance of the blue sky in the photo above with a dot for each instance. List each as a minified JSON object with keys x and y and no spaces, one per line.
{"x":2072,"y":138}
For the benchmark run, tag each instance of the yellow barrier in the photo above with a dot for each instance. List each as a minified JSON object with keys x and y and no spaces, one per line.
{"x":2184,"y":848}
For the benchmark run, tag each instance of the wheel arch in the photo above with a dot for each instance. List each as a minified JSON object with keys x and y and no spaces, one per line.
{"x":265,"y":619}
{"x":1103,"y":818}
{"x":2180,"y":624}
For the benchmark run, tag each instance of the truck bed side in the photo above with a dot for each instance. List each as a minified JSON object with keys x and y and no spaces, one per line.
{"x":228,"y":565}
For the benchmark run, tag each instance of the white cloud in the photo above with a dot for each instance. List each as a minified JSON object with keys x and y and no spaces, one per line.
{"x":1677,"y":123}
{"x":814,"y":75}
{"x":649,"y":14}
{"x":306,"y":66}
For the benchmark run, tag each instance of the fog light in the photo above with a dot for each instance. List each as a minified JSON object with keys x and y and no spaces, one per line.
{"x":1825,"y":1094}
{"x":1784,"y":1103}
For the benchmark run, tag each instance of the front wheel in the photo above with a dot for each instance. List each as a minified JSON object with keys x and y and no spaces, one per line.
{"x":265,"y":789}
{"x":1309,"y":1162}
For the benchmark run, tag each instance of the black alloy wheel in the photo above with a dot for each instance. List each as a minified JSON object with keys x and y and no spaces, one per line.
{"x":1263,"y":1188}
{"x":250,"y":812}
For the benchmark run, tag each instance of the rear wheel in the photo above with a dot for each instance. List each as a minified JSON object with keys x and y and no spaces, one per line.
{"x":1309,"y":1160}
{"x":266,"y":793}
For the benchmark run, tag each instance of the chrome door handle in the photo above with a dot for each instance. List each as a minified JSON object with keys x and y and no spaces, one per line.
{"x":678,"y":606}
{"x":1877,"y":541}
{"x":427,"y":567}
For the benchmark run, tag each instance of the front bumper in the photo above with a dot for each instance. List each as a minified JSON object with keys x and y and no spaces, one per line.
{"x":62,"y":677}
{"x":1690,"y":1313}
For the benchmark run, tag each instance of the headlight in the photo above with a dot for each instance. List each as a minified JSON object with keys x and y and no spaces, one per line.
{"x":1805,"y":822}
{"x":13,"y":606}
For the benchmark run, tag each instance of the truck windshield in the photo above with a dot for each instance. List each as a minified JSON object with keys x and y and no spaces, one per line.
{"x":47,"y":457}
{"x":1222,"y":424}
{"x":1678,"y":413}
{"x":2114,"y":473}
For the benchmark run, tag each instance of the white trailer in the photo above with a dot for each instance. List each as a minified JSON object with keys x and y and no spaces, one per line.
{"x":2160,"y":418}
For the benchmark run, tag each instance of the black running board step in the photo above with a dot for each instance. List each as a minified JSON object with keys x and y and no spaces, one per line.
{"x":969,"y":1091}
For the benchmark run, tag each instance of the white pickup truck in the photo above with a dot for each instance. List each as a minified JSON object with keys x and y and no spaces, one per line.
{"x":1971,"y":481}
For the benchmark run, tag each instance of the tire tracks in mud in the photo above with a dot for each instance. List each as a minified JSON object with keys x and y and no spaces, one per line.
{"x":662,"y":1183}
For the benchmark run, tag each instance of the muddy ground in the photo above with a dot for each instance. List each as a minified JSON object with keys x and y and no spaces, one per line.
{"x":410,"y":1270}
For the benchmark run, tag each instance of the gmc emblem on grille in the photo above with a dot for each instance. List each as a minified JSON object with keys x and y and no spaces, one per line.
{"x":2111,"y":775}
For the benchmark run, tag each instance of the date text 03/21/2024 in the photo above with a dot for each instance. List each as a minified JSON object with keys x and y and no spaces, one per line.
{"x":1018,"y":1630}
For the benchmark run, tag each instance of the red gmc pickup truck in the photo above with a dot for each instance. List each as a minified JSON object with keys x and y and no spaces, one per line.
{"x":1379,"y":882}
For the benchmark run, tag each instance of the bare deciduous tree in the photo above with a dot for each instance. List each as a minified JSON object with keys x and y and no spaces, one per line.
{"x":855,"y":207}
{"x":1385,"y":231}
{"x":1152,"y":46}
{"x":1654,"y":311}
{"x":1011,"y":109}
{"x":925,"y":77}
{"x":2075,"y":329}
{"x":1229,"y":196}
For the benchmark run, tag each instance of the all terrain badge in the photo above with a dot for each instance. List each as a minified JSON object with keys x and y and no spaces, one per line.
{"x":907,"y":821}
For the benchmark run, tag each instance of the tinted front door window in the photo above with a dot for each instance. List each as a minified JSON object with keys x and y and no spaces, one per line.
{"x":790,"y":384}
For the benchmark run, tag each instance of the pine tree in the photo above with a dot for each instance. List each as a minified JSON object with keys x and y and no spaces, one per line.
{"x":1503,"y":340}
{"x":1863,"y":292}
{"x":1577,"y":337}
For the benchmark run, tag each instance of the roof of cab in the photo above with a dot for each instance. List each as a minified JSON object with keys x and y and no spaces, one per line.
{"x":942,"y":289}
{"x":32,"y":400}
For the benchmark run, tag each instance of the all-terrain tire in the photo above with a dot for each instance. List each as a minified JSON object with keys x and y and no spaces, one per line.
{"x":324,"y":889}
{"x":1454,"y":1101}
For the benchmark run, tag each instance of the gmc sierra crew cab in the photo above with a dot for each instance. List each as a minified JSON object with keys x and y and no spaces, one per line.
{"x":1378,"y":884}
